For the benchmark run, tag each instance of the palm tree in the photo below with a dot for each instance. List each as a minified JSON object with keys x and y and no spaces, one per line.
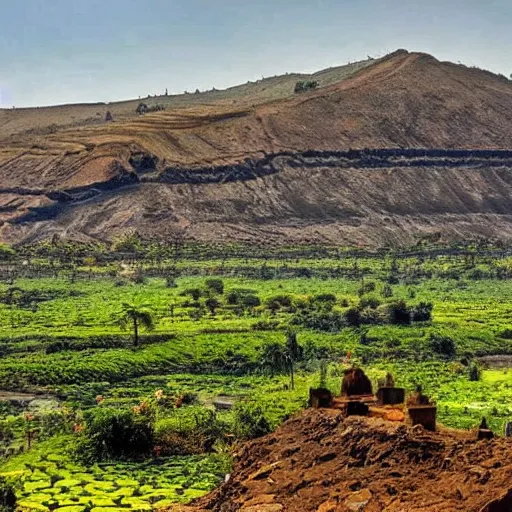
{"x":281,"y":358}
{"x":273,"y":357}
{"x":293,"y":352}
{"x":136,"y":316}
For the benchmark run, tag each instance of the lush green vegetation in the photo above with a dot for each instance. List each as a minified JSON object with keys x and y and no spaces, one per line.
{"x":156,"y":348}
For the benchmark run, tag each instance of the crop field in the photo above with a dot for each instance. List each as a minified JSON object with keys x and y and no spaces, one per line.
{"x":203,"y":370}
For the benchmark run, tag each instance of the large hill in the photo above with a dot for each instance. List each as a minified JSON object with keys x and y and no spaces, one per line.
{"x":259,"y":162}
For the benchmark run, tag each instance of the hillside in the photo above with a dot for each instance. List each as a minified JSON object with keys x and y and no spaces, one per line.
{"x":65,"y":170}
{"x":320,"y":462}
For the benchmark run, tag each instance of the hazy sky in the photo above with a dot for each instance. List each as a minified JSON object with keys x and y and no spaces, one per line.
{"x":61,"y":51}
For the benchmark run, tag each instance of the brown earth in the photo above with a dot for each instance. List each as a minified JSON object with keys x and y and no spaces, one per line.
{"x":320,"y":461}
{"x":114,"y":170}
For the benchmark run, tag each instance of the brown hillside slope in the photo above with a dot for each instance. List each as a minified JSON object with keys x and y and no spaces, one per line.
{"x":321,"y":462}
{"x":403,"y":100}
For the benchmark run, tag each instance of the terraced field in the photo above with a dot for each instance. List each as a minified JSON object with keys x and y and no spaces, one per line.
{"x":213,"y":320}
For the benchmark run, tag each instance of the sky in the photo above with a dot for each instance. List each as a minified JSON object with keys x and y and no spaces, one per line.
{"x":70,"y":51}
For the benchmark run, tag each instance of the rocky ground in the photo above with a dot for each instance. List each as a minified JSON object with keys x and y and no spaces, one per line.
{"x":320,"y":461}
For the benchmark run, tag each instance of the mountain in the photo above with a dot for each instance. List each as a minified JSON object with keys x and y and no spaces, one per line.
{"x":319,"y":461}
{"x":260,"y":162}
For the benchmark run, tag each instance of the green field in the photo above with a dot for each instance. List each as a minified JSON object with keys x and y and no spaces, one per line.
{"x":61,"y":337}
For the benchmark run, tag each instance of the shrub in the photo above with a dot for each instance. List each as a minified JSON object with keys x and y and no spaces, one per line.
{"x":442,"y":345}
{"x":422,"y":312}
{"x":236,"y":295}
{"x":277,"y":302}
{"x":249,"y":421}
{"x":370,"y":316}
{"x":194,"y":293}
{"x":352,"y":317}
{"x":368,"y":287}
{"x":189,"y":431}
{"x":170,"y":282}
{"x":7,"y":496}
{"x":305,"y":85}
{"x":474,"y":372}
{"x":115,"y":434}
{"x":325,"y":298}
{"x":6,"y":252}
{"x":215,"y":285}
{"x":129,"y":242}
{"x":250,"y":301}
{"x":506,"y":334}
{"x":369,"y":302}
{"x":142,"y":108}
{"x":265,"y":325}
{"x":57,"y":346}
{"x":139,"y":276}
{"x":314,"y":353}
{"x":397,"y":313}
{"x":327,"y":321}
{"x":304,"y":272}
{"x":387,"y":291}
{"x":212,"y":304}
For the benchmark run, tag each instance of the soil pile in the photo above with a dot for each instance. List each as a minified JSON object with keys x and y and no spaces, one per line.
{"x":322,"y":462}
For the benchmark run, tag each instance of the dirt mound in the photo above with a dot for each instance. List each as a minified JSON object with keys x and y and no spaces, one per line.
{"x":322,"y":462}
{"x":401,"y":101}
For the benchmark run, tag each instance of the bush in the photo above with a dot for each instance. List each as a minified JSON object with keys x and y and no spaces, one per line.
{"x":115,"y":434}
{"x":506,"y":334}
{"x":474,"y":372}
{"x":249,"y":421}
{"x":7,"y":496}
{"x":442,"y":345}
{"x":370,"y":316}
{"x":387,"y":291}
{"x":277,"y":302}
{"x":236,"y":295}
{"x":189,"y":431}
{"x":215,"y":285}
{"x":321,"y":298}
{"x":6,"y":252}
{"x":305,"y":85}
{"x":422,"y":312}
{"x":139,"y":276}
{"x":250,"y":301}
{"x":265,"y":325}
{"x":368,"y":287}
{"x":212,"y":304}
{"x":194,"y":293}
{"x":352,"y":317}
{"x":327,"y":321}
{"x":369,"y":302}
{"x":397,"y":313}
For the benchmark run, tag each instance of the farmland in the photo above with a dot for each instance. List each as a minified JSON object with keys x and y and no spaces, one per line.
{"x":212,"y":319}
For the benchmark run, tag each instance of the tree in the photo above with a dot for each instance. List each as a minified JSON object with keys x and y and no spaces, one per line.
{"x":215,"y":285}
{"x":273,"y":357}
{"x":212,"y":304}
{"x":282,"y":358}
{"x":136,"y":316}
{"x":7,"y":496}
{"x":442,"y":345}
{"x":293,"y":352}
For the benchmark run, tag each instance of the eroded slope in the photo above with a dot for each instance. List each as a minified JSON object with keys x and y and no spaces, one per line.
{"x":403,"y":100}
